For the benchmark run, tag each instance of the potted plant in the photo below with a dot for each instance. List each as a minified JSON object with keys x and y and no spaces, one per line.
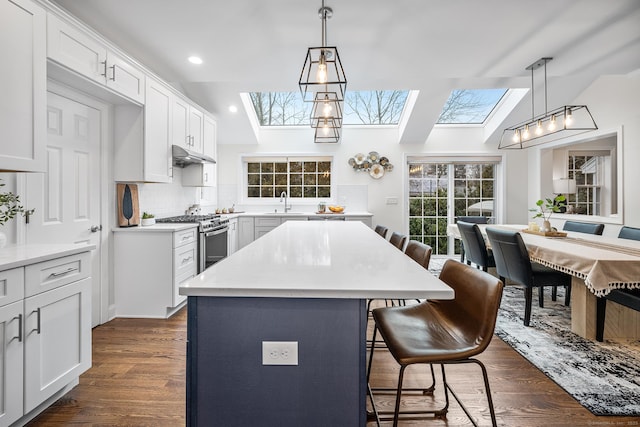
{"x":148,"y":219}
{"x":545,"y":208}
{"x":9,"y":207}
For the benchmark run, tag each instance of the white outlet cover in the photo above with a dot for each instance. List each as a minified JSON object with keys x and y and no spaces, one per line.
{"x":279,"y":352}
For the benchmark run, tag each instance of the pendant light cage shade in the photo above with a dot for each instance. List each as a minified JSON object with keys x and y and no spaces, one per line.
{"x":326,"y":105}
{"x":328,"y":131}
{"x":322,"y":72}
{"x":556,"y":124}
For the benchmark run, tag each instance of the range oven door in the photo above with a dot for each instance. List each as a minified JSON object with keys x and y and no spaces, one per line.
{"x":213,"y":247}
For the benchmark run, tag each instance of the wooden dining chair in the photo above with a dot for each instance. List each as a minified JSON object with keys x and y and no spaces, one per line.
{"x":629,"y":298}
{"x":475,"y":247}
{"x":442,"y":332}
{"x":584,"y":227}
{"x":513,"y":263}
{"x":398,"y":240}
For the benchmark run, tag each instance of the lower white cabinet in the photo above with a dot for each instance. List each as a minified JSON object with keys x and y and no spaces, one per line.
{"x":57,"y":344}
{"x":149,"y":266}
{"x":232,"y":236}
{"x":245,"y":231}
{"x":45,"y":328}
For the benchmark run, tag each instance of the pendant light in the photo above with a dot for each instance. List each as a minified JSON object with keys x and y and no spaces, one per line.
{"x":550,"y":126}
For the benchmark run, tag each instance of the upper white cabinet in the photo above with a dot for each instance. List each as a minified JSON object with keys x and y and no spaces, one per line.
{"x":82,"y":53}
{"x":188,"y":123}
{"x":204,"y":175}
{"x":23,"y":84}
{"x":157,"y":132}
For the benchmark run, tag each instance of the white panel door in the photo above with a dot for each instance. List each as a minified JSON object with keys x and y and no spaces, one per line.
{"x":66,"y":197}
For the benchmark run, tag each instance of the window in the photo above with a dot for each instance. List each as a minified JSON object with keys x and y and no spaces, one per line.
{"x":300,"y":177}
{"x":441,"y":189}
{"x":585,"y":170}
{"x":375,"y":107}
{"x":470,"y":106}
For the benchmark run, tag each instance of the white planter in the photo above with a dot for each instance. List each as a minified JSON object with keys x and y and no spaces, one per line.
{"x":148,"y":221}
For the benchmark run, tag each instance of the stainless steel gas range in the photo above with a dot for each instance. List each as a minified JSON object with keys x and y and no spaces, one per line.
{"x":212,"y":241}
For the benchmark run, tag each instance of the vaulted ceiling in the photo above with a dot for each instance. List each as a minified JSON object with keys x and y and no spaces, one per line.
{"x":430,"y":46}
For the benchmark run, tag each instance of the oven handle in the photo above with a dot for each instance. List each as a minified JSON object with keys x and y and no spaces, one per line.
{"x":216,"y":232}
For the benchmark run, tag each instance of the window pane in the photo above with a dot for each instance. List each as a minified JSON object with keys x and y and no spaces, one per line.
{"x":281,"y":179}
{"x":253,"y":192}
{"x":267,"y":167}
{"x":296,"y":192}
{"x":266,"y":191}
{"x":309,"y":179}
{"x":324,"y":167}
{"x":310,"y":166}
{"x":324,"y":179}
{"x":470,"y":106}
{"x":253,"y":167}
{"x":253,"y":179}
{"x":266,"y":179}
{"x":295,"y":166}
{"x":310,"y":192}
{"x":295,"y":179}
{"x":299,"y":179}
{"x":324,"y":191}
{"x":281,"y":167}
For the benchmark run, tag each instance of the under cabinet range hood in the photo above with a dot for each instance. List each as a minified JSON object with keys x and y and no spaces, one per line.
{"x":183,"y":157}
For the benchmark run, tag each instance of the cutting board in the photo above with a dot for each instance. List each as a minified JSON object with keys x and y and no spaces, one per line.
{"x":128,"y":209}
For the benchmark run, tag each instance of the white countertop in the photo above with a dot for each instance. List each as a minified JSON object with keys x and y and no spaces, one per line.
{"x":165,"y":226}
{"x":318,"y":259}
{"x":21,"y":255}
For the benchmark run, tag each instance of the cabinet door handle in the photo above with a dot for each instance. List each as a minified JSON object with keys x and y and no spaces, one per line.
{"x":185,"y":260}
{"x":113,"y":72}
{"x":62,"y":273}
{"x":37,"y":311}
{"x":206,"y":177}
{"x":19,"y":317}
{"x":104,"y":72}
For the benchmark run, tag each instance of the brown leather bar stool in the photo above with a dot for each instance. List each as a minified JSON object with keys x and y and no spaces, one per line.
{"x":419,"y":252}
{"x":443,"y":332}
{"x":381,"y":230}
{"x":398,"y":240}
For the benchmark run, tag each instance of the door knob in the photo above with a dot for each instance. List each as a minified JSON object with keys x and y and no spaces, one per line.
{"x":95,"y":228}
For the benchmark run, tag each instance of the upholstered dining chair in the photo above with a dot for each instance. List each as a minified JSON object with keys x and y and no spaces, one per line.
{"x":627,"y":297}
{"x":584,"y":227}
{"x":381,"y":230}
{"x":473,"y":220}
{"x":442,"y":332}
{"x":419,"y":252}
{"x":475,"y":247}
{"x":398,"y":240}
{"x":512,"y":262}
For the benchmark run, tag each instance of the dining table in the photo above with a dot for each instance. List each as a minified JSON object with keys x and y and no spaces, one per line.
{"x":597,"y":264}
{"x":301,"y":289}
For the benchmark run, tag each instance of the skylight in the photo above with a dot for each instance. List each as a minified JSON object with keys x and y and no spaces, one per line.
{"x":384,"y":107}
{"x":470,"y":106}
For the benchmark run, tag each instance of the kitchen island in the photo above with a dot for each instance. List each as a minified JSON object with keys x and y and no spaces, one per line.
{"x":305,"y":284}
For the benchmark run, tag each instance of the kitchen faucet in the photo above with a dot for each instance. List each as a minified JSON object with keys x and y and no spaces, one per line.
{"x":285,"y":197}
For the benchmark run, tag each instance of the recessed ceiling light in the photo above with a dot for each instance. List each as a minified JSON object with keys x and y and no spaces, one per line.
{"x":233,"y":108}
{"x":195,"y":60}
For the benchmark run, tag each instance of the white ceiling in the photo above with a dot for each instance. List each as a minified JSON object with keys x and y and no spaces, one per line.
{"x":426,"y":45}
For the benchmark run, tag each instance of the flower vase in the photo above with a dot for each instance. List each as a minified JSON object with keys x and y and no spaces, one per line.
{"x":546,"y":226}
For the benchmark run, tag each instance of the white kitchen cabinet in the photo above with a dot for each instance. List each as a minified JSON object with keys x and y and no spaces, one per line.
{"x":263,"y":225}
{"x":57,"y":345}
{"x":23,"y":84}
{"x":188,"y":122}
{"x":157,"y":156}
{"x":45,"y":331}
{"x":246,"y":231}
{"x":150,"y":264}
{"x":77,"y":50}
{"x":203,"y":175}
{"x":232,"y":236}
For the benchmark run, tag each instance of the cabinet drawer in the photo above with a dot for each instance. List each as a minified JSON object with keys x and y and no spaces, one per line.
{"x":268,"y":222}
{"x":177,"y":298}
{"x":185,"y":260}
{"x":185,"y":237}
{"x":47,"y":275}
{"x":11,"y":286}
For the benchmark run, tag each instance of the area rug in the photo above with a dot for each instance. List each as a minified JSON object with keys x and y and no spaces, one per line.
{"x":602,"y":377}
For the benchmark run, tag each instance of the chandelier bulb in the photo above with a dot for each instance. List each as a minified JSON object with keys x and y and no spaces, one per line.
{"x":516,"y":135}
{"x":568,"y":119}
{"x":326,"y":109}
{"x":321,"y":75}
{"x":552,"y":123}
{"x":539,"y":128}
{"x":525,"y":134}
{"x":325,"y":127}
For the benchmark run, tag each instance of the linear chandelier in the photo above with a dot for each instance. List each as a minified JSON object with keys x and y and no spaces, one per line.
{"x":322,"y":81}
{"x":550,"y":126}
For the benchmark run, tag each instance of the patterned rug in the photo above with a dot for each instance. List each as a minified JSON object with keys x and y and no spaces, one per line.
{"x":602,"y":377}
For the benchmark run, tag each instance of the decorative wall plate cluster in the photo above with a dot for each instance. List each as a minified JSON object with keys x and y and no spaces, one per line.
{"x":373,"y":163}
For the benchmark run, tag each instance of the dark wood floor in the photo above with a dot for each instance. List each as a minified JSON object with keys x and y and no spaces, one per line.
{"x":138,"y":379}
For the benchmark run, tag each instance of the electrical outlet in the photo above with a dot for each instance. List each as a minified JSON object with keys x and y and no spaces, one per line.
{"x":392,"y":200}
{"x":279,"y":352}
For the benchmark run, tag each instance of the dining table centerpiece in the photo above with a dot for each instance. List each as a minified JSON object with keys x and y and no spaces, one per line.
{"x":547,"y":207}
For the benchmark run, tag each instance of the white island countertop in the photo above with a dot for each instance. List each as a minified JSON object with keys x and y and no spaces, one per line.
{"x":318,"y":259}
